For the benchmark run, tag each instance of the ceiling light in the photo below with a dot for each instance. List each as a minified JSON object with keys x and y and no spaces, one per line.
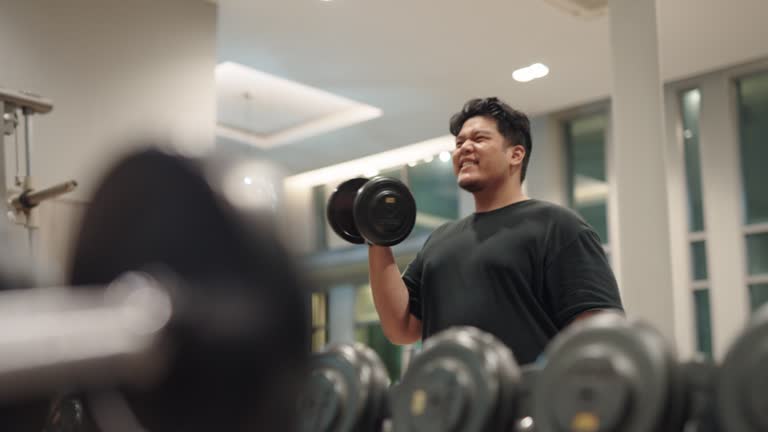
{"x":445,"y":156}
{"x":412,"y":164}
{"x":530,"y":73}
{"x":247,"y":180}
{"x":371,"y":173}
{"x":429,"y":159}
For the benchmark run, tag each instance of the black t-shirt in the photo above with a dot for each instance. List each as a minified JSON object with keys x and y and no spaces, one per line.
{"x":520,"y":272}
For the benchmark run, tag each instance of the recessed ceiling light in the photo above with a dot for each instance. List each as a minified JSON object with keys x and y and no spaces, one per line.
{"x":445,"y":156}
{"x":530,"y":73}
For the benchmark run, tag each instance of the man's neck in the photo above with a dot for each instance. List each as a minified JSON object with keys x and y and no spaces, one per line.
{"x":496,"y":198}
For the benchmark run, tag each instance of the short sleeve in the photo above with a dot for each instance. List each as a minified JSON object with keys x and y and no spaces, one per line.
{"x":579,"y":279}
{"x":412,"y":280}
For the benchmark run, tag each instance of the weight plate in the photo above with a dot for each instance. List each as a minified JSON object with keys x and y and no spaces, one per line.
{"x":606,"y":374}
{"x":347,"y":391}
{"x":238,"y":338}
{"x":379,"y":382}
{"x":339,"y":210}
{"x":384,"y":211}
{"x":509,"y":377}
{"x":453,"y":385}
{"x":742,"y":385}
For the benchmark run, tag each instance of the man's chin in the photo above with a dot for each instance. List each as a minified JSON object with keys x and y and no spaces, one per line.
{"x":470,"y":185}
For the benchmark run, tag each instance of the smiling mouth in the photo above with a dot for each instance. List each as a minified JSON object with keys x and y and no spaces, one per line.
{"x":467,"y":164}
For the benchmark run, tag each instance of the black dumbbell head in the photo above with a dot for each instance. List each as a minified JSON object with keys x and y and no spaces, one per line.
{"x":346,"y":391}
{"x":239,"y":342}
{"x":742,"y":389}
{"x":384,"y":211}
{"x":607,"y":374}
{"x":463,"y":380}
{"x":339,"y":210}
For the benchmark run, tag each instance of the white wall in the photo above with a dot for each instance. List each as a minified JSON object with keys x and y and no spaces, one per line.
{"x":546,"y":176}
{"x":116,"y":71}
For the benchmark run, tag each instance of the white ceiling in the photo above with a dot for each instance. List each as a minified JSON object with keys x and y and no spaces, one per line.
{"x":419,"y":61}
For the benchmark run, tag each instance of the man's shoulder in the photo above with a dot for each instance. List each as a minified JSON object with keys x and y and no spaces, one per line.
{"x":557,"y":214}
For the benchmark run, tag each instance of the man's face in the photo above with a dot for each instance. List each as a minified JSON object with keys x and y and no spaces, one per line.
{"x":482,"y":156}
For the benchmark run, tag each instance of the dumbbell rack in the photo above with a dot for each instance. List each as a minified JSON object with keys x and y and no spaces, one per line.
{"x":23,"y":198}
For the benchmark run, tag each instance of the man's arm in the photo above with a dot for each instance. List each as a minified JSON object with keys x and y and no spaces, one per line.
{"x":390,"y":295}
{"x":593,"y":312}
{"x":579,"y":281}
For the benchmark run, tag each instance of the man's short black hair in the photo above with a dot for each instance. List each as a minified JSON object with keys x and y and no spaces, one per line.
{"x":512,"y":124}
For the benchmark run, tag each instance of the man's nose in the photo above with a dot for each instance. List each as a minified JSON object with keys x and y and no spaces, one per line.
{"x":466,"y":147}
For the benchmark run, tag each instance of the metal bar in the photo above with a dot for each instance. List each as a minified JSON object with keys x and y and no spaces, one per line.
{"x":25,"y":100}
{"x":36,"y":197}
{"x":56,"y":338}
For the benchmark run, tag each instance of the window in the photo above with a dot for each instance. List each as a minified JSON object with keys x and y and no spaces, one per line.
{"x":369,"y":332}
{"x":752,"y":93}
{"x":690,"y":103}
{"x":703,"y":323}
{"x":319,"y":207}
{"x":753,"y":128}
{"x":319,"y":321}
{"x":434,"y":188}
{"x":587,"y":182}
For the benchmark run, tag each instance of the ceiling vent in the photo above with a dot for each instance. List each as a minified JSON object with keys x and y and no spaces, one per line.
{"x":581,"y":8}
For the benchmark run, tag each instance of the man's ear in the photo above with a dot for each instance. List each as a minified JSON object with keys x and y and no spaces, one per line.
{"x":515,"y":154}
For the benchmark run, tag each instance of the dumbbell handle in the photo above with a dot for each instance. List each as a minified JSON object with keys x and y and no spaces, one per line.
{"x":30,"y":199}
{"x":54,"y":339}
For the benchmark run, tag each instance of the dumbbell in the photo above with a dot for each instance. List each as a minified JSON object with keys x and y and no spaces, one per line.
{"x":742,"y":385}
{"x":464,"y":380}
{"x":346,"y":391}
{"x":378,"y":211}
{"x":229,"y":352}
{"x":608,"y":374}
{"x":528,"y":375}
{"x":700,"y":376}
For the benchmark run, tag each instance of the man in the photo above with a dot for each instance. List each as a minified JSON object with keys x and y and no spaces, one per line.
{"x":518,"y":268}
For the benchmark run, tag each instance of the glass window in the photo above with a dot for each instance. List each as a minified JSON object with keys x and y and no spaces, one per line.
{"x":365,"y":309}
{"x":758,"y":295}
{"x":703,"y":321}
{"x":369,"y":332}
{"x":588,"y":188}
{"x":691,"y":102}
{"x":753,"y":128}
{"x":319,"y":206}
{"x":434,"y":188}
{"x":391,"y":355}
{"x":757,"y":254}
{"x":319,"y":320}
{"x":699,"y":260}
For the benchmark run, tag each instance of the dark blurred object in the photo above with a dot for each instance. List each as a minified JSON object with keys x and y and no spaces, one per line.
{"x":215,"y":337}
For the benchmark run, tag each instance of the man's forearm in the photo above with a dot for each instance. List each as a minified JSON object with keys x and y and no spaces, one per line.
{"x":390,"y":296}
